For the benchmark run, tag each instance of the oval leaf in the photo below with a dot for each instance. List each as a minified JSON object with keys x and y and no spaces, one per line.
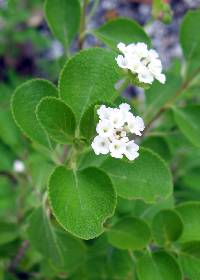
{"x":159,"y":266}
{"x":188,"y":120}
{"x":190,"y":259}
{"x":63,"y":25}
{"x":190,"y":40}
{"x":147,"y":178}
{"x":43,"y":235}
{"x":8,"y":233}
{"x":190,"y":213}
{"x":24,"y":102}
{"x":81,"y":201}
{"x":63,"y":251}
{"x":129,"y":233}
{"x":88,"y":77}
{"x":159,"y":145}
{"x":121,"y":30}
{"x":57,"y":119}
{"x":166,"y":227}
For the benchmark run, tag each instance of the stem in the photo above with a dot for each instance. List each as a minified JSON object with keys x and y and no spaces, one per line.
{"x":82,"y":25}
{"x":183,"y":87}
{"x":20,"y":254}
{"x":132,"y":256}
{"x":93,"y":10}
{"x":123,"y":86}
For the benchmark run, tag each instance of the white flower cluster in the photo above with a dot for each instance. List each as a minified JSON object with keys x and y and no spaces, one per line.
{"x":115,"y":129}
{"x":141,"y":61}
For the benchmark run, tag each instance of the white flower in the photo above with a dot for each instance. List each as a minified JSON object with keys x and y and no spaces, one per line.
{"x":125,"y":107}
{"x":104,"y":128}
{"x":131,"y":150}
{"x":136,"y":125}
{"x":152,"y":54}
{"x":142,"y":50}
{"x":161,"y":78}
{"x":116,"y":129}
{"x":122,"y":47}
{"x":116,"y":118}
{"x":155,"y":67}
{"x":100,"y":145}
{"x":141,"y":61}
{"x":104,"y":112}
{"x":117,"y":148}
{"x":18,"y":166}
{"x":145,"y":76}
{"x":122,"y":61}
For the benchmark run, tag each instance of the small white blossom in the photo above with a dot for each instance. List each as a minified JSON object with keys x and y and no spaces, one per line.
{"x":117,"y":148}
{"x":104,"y":112}
{"x":116,"y":118}
{"x":100,"y":145}
{"x":141,"y":61}
{"x":131,"y":150}
{"x":116,"y":129}
{"x":18,"y":166}
{"x":123,"y":62}
{"x":125,"y":107}
{"x":104,"y":128}
{"x":136,"y":125}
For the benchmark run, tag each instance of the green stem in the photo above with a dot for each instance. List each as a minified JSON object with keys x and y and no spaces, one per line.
{"x":183,"y":87}
{"x":123,"y":86}
{"x":93,"y":10}
{"x":82,"y":24}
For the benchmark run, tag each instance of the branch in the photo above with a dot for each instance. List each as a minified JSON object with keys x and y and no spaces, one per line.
{"x":183,"y":87}
{"x":20,"y":254}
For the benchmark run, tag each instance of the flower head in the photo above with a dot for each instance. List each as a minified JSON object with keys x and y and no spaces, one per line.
{"x":116,"y":128}
{"x":141,"y":61}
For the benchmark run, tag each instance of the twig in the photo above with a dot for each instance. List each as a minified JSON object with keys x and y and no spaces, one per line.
{"x":183,"y":87}
{"x":10,"y":176}
{"x":20,"y":254}
{"x":82,"y":25}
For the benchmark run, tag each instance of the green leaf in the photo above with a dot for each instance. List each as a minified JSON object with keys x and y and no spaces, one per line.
{"x":62,"y":251}
{"x":121,"y":30}
{"x":166,"y":227}
{"x":147,"y":178}
{"x":106,"y":261}
{"x":159,"y":145}
{"x":88,"y":77}
{"x":24,"y":102}
{"x":81,"y":201}
{"x":73,"y":251}
{"x":138,"y":208}
{"x":190,"y":259}
{"x":158,"y":266}
{"x":63,"y":18}
{"x":8,"y":233}
{"x":57,"y":119}
{"x":190,"y":213}
{"x":88,"y":122}
{"x":190,"y":40}
{"x":158,"y":95}
{"x":42,"y":236}
{"x":129,"y":233}
{"x":188,"y":120}
{"x":40,"y":168}
{"x":9,"y":132}
{"x":8,"y":198}
{"x":7,"y":158}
